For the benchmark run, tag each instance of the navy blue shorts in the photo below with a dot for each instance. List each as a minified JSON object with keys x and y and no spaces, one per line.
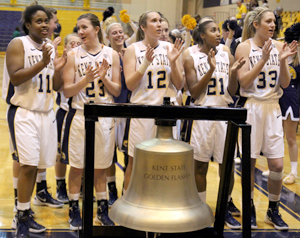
{"x":289,"y":104}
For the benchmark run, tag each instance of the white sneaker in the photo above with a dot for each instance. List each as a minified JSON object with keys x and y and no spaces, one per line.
{"x":237,"y":160}
{"x":290,"y":179}
{"x":266,"y":173}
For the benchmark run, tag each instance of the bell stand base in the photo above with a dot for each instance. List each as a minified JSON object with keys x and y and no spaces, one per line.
{"x":120,"y":231}
{"x":236,"y":118}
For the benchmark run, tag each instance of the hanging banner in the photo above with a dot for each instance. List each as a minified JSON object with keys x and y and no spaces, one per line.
{"x":224,"y":2}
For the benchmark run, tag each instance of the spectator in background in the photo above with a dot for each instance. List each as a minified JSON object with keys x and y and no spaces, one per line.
{"x":57,"y":30}
{"x":237,"y":29}
{"x":227,"y":34}
{"x":252,"y":5}
{"x":241,"y":21}
{"x":278,"y":21}
{"x":16,"y":32}
{"x":176,"y":33}
{"x":181,"y":28}
{"x":240,"y":9}
{"x":265,"y":3}
{"x":197,"y":18}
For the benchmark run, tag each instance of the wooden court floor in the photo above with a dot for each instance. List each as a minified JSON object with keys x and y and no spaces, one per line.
{"x":56,"y":220}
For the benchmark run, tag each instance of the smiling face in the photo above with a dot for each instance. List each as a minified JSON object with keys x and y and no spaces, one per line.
{"x":86,"y":31}
{"x":38,"y":27}
{"x":153,"y":25}
{"x":266,"y":26}
{"x":212,"y":36}
{"x":116,"y":35}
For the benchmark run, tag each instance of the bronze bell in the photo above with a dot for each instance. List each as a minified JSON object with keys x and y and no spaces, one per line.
{"x":162,"y":195}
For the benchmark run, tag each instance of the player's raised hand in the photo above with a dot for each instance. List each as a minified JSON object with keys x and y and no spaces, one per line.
{"x":176,"y":50}
{"x":47,"y":51}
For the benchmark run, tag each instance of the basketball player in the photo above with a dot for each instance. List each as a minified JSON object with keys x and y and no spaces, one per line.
{"x":289,"y":104}
{"x":189,"y":101}
{"x":85,"y":80}
{"x":150,"y":66}
{"x":43,"y":197}
{"x":116,"y":37}
{"x":128,"y":41}
{"x":42,"y":192}
{"x":212,"y":80}
{"x":31,"y":118}
{"x":70,"y":41}
{"x":265,"y":71}
{"x":232,"y":209}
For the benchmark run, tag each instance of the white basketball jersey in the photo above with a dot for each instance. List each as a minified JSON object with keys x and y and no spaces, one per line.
{"x":216,"y":89}
{"x":266,"y":85}
{"x":194,"y":49}
{"x":156,"y":79}
{"x":95,"y":91}
{"x":35,"y":94}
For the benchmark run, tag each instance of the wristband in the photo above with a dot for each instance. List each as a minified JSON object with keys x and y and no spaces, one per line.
{"x":143,"y":67}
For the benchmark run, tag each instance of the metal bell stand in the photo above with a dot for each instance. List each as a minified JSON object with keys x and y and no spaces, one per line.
{"x":236,"y":118}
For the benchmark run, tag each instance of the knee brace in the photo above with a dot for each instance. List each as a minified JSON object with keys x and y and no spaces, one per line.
{"x":276,"y":175}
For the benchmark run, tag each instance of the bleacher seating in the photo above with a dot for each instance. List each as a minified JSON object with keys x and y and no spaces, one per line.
{"x":288,"y":19}
{"x":9,"y":21}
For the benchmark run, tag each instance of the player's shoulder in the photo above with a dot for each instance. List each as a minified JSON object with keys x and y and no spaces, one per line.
{"x":243,"y":48}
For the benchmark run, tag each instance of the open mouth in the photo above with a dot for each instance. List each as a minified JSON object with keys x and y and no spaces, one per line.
{"x":45,"y":31}
{"x":120,"y":39}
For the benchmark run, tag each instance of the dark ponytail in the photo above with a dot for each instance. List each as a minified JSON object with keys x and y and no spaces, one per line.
{"x":200,"y":29}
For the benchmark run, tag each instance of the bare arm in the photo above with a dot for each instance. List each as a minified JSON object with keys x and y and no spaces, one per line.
{"x":230,"y":36}
{"x":176,"y":75}
{"x":104,"y":36}
{"x":70,"y":88}
{"x":185,"y":54}
{"x":191,"y":76}
{"x":59,"y":63}
{"x":233,"y":79}
{"x":133,"y":26}
{"x":132,"y":39}
{"x":284,"y":52}
{"x":246,"y":76}
{"x":113,"y":85}
{"x":15,"y":62}
{"x":233,"y":83}
{"x":187,"y":42}
{"x":132,"y":76}
{"x":196,"y":87}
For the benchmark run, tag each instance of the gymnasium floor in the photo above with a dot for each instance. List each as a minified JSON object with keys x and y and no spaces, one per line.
{"x":56,"y":220}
